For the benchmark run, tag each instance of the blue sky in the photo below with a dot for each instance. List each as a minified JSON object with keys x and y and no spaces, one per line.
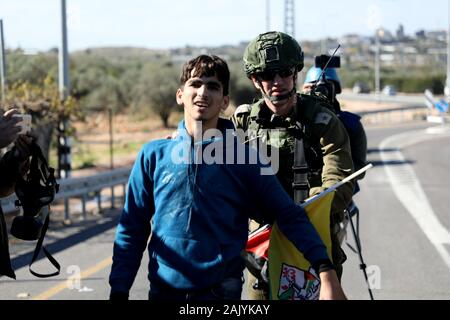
{"x":34,"y":24}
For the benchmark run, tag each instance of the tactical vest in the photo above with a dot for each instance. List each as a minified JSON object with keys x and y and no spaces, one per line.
{"x":266,"y":128}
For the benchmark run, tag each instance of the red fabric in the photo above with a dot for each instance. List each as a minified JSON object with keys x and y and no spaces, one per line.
{"x":258,"y":243}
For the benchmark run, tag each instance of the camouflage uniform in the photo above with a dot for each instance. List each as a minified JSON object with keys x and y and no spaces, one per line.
{"x":327,"y":154}
{"x":326,"y":143}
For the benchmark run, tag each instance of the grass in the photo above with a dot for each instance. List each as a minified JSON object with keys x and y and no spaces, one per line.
{"x":91,"y":145}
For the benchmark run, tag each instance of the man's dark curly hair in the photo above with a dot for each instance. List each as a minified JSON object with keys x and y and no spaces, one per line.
{"x":209,"y":66}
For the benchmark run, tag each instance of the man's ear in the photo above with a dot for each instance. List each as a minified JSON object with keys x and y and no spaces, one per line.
{"x":255,"y":82}
{"x":226,"y":102}
{"x":179,"y":96}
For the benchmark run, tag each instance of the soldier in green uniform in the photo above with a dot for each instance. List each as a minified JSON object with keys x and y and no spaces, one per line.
{"x":282,"y":118}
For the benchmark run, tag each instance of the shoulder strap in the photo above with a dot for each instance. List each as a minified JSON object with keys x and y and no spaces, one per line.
{"x":47,"y":254}
{"x":300,"y":184}
{"x":300,"y":169}
{"x":35,"y":194}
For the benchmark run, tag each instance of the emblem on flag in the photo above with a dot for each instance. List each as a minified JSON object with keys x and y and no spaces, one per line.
{"x":297,"y":284}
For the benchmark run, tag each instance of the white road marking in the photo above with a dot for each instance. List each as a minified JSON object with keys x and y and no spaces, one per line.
{"x":408,"y":189}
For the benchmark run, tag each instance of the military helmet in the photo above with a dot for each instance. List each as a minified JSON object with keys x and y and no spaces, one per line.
{"x":272,"y":51}
{"x":314,"y":73}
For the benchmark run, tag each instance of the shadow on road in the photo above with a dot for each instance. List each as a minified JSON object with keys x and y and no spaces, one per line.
{"x":380,"y":163}
{"x":376,"y":150}
{"x":91,"y":229}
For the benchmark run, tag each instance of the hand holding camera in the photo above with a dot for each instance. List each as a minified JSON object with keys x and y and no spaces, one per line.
{"x":13,"y":124}
{"x":8,"y":128}
{"x":24,"y":122}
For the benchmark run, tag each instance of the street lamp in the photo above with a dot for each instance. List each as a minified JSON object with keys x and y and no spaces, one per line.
{"x":379,"y":33}
{"x":64,"y":142}
{"x":447,"y":82}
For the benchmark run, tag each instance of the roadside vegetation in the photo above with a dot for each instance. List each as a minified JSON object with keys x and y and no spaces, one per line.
{"x":138,"y":87}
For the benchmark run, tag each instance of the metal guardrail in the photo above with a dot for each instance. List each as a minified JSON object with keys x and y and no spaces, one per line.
{"x":407,"y":103}
{"x":80,"y":188}
{"x":400,"y":98}
{"x":387,"y":110}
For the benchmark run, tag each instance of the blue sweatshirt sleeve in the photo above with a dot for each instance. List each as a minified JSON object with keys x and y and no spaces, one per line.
{"x":292,"y":220}
{"x":134,"y":228}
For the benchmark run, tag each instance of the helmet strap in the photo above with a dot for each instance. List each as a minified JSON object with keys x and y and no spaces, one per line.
{"x":281,"y":97}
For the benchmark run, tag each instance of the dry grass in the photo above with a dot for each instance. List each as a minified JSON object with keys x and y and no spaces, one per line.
{"x":91,"y":147}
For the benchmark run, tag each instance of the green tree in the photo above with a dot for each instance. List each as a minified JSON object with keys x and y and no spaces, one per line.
{"x":156,"y":90}
{"x":43,"y":103}
{"x":30,"y":68}
{"x":99,"y":83}
{"x":241,"y":88}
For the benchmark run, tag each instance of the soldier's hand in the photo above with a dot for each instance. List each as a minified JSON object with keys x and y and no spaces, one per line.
{"x":9,"y":130}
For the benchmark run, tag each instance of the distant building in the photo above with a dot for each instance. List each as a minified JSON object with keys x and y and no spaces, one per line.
{"x":400,"y":33}
{"x":386,"y":36}
{"x":440,"y":35}
{"x":351,"y":39}
{"x":421,"y":35}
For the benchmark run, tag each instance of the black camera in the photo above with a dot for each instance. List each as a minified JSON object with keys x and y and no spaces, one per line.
{"x":328,"y":83}
{"x":36,"y":191}
{"x":322,"y":61}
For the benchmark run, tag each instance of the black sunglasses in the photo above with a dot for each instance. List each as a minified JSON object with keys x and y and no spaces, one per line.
{"x":270,"y":75}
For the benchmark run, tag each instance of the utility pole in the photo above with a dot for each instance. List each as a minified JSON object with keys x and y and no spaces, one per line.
{"x":289,"y":17}
{"x":2,"y":63}
{"x":64,"y":142}
{"x":267,"y":15}
{"x":64,"y":84}
{"x":378,"y":34}
{"x":447,"y":83}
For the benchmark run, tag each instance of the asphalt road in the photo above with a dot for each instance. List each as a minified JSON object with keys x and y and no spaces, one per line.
{"x":407,"y":255}
{"x":403,"y":259}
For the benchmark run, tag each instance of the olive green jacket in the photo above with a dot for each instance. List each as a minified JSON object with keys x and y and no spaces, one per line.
{"x":327,"y":146}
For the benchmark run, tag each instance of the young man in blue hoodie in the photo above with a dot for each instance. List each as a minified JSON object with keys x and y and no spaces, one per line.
{"x":197,"y":210}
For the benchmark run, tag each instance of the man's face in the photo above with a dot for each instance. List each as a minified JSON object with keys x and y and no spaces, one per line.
{"x":202,"y":98}
{"x":277,"y":84}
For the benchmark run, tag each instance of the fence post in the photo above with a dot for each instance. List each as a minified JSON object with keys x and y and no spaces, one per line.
{"x":99,"y":200}
{"x":66,"y":209}
{"x":83,"y":205}
{"x":112,"y":197}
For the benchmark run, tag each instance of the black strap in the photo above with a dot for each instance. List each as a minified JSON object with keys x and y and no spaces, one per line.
{"x":47,"y":254}
{"x":5,"y":260}
{"x":300,"y":184}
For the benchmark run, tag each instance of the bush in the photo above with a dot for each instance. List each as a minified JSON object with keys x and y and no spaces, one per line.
{"x":241,"y":88}
{"x":156,"y":90}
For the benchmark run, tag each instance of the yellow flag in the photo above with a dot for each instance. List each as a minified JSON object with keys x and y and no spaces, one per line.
{"x":291,"y":275}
